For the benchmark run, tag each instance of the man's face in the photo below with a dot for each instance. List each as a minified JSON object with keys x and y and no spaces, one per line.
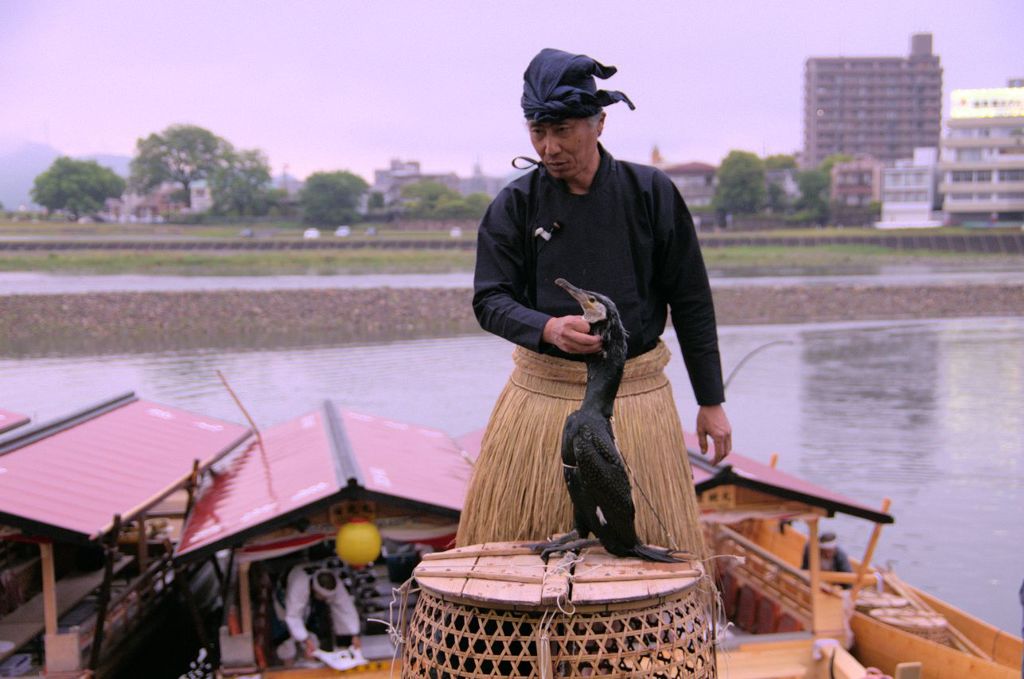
{"x":567,"y":148}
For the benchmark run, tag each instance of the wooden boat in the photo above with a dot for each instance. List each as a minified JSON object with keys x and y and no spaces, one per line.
{"x":749,"y":510}
{"x":279,"y":502}
{"x":86,"y":519}
{"x":313,"y":473}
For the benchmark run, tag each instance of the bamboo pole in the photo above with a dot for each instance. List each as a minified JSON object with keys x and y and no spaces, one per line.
{"x":49,"y":587}
{"x":245,"y":596}
{"x":869,"y":552}
{"x":238,"y":402}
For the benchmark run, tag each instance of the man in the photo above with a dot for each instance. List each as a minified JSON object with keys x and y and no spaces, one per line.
{"x":324,"y":586}
{"x":620,"y":229}
{"x":833,"y":558}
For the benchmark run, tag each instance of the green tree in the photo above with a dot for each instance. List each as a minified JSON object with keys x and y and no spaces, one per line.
{"x":826,"y":165}
{"x":423,"y":199}
{"x":182,"y":154}
{"x":241,"y":186}
{"x":740,"y":183}
{"x":814,"y":190}
{"x":434,"y":200}
{"x":780,"y":161}
{"x":79,"y":187}
{"x":331,"y":197}
{"x":776,"y":201}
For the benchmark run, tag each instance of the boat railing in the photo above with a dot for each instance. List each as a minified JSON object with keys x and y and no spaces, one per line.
{"x":130,"y":603}
{"x":788,"y":585}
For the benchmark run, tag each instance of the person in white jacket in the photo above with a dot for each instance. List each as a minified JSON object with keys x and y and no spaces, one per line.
{"x":325,"y":585}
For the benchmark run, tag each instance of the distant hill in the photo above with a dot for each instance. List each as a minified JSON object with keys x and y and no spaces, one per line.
{"x":21,"y":164}
{"x":119,"y":164}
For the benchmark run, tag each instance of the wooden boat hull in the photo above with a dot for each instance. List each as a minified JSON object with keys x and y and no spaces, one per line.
{"x":883,"y":646}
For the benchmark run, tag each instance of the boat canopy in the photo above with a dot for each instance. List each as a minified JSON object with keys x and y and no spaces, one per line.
{"x":316,"y":460}
{"x":745,"y":472}
{"x":68,"y":479}
{"x":9,"y":420}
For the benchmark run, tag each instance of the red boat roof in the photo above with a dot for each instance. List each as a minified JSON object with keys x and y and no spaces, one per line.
{"x":68,"y":479}
{"x":318,"y":459}
{"x":9,"y":420}
{"x":743,"y":471}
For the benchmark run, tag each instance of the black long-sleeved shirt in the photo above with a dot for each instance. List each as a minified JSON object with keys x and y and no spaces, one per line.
{"x":630,"y":237}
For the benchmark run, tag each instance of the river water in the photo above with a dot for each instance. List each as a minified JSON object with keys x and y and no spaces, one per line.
{"x":927,"y":413}
{"x":35,"y":283}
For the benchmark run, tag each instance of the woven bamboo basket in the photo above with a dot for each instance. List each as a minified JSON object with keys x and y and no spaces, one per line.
{"x":869,"y":599}
{"x":498,"y":610}
{"x":931,"y":626}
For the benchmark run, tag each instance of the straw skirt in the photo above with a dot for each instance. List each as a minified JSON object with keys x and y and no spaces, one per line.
{"x":517,"y":491}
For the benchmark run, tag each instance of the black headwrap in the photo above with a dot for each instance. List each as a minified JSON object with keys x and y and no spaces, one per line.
{"x":559,"y":85}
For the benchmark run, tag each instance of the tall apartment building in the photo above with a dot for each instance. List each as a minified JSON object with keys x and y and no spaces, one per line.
{"x":884,"y":107}
{"x":982,"y":161}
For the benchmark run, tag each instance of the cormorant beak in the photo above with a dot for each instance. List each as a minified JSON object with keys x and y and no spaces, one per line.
{"x":593,"y":311}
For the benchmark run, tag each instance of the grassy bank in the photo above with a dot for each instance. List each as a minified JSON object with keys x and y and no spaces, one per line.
{"x":282,"y":262}
{"x":239,"y":263}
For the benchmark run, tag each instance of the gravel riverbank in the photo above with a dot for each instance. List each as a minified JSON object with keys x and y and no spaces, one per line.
{"x":106,"y":323}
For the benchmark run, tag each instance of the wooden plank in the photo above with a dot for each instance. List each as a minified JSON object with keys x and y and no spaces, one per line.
{"x":245,"y":597}
{"x":444,"y":587}
{"x":49,"y":588}
{"x":519,"y":580}
{"x":814,"y":562}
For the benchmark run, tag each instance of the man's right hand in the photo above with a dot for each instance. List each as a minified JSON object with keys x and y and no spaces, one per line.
{"x":572,"y":335}
{"x":310,"y":646}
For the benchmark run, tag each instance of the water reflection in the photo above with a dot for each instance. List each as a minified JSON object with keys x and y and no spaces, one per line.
{"x":878,"y":387}
{"x":927,"y":413}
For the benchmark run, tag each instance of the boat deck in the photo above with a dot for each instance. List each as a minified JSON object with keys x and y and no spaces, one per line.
{"x":22,"y":624}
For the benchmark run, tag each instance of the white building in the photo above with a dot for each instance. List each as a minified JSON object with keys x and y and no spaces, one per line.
{"x":909,"y":192}
{"x":390,"y":182}
{"x":982,"y":161}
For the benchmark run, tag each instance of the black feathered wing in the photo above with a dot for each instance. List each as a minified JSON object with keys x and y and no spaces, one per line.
{"x":602,"y":496}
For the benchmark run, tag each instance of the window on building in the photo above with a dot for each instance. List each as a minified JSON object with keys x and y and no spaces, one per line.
{"x":1011,"y":175}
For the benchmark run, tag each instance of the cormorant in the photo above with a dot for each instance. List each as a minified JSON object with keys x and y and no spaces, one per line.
{"x":591,"y":462}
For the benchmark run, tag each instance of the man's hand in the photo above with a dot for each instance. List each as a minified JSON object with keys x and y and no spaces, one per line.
{"x":310,"y":644}
{"x":572,"y":335}
{"x":712,"y":421}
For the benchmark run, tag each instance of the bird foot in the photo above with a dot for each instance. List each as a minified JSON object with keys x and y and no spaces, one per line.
{"x":570,"y":542}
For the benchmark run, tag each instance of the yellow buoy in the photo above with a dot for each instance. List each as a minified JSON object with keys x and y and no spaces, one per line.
{"x":358,"y":542}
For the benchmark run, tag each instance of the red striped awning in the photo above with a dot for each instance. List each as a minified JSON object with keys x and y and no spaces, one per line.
{"x":69,"y":480}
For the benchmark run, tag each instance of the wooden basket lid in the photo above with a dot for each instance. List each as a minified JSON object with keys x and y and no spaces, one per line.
{"x":909,"y":618}
{"x":870,"y":599}
{"x":510,"y":575}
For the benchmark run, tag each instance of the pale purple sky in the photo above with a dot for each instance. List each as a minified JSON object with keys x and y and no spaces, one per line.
{"x":346,"y":85}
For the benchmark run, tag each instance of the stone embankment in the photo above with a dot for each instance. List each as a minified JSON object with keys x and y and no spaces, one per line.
{"x":151,"y":321}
